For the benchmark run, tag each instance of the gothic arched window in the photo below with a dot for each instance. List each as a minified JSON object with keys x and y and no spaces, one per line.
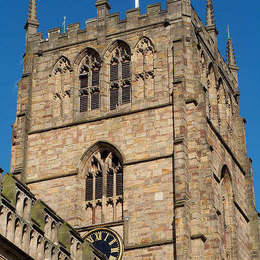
{"x":104,"y":186}
{"x":89,"y":75}
{"x":60,"y":82}
{"x":144,"y":68}
{"x":120,"y":76}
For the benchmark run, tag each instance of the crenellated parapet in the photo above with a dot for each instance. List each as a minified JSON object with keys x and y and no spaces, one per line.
{"x":35,"y":228}
{"x":134,"y":20}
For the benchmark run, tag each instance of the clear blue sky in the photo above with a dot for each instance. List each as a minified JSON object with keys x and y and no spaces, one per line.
{"x":242,"y":16}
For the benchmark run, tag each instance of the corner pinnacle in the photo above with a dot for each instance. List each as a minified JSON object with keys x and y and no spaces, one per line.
{"x":210,"y":14}
{"x":231,"y":59}
{"x":32,"y":15}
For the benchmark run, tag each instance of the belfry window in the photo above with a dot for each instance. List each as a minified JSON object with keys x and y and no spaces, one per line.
{"x":90,"y":82}
{"x":104,"y":185}
{"x":83,"y":93}
{"x":120,"y":77}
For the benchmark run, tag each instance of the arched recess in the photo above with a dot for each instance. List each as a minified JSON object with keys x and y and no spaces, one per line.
{"x":88,"y":64}
{"x":203,"y":69}
{"x":212,"y":95}
{"x":229,"y":114}
{"x":19,"y":204}
{"x":222,"y":108}
{"x":101,"y":168}
{"x":144,"y":55}
{"x":60,"y":82}
{"x":228,"y":219}
{"x":62,"y":66}
{"x":18,"y":228}
{"x":118,"y":69}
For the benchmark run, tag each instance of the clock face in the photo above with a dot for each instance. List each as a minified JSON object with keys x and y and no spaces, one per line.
{"x":106,"y":241}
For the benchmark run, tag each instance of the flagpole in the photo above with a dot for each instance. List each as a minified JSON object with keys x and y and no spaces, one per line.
{"x":137,"y":4}
{"x":64,"y":24}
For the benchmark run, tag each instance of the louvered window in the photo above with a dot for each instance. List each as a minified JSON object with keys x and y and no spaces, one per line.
{"x":83,"y":103}
{"x":119,"y":183}
{"x":126,"y":94}
{"x":113,"y":98}
{"x":99,"y":186}
{"x":110,"y":184}
{"x":95,"y":77}
{"x":89,"y":188}
{"x":83,"y":81}
{"x":95,"y":100}
{"x":83,"y":93}
{"x":113,"y":72}
{"x":125,"y":70}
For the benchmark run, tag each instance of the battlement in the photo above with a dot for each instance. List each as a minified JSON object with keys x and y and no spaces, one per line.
{"x":134,"y":20}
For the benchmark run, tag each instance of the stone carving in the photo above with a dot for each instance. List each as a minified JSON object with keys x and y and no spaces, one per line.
{"x":145,"y":47}
{"x":90,"y":62}
{"x":62,"y":66}
{"x":120,"y":54}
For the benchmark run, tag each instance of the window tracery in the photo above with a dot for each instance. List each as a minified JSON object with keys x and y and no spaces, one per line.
{"x":62,"y":66}
{"x":145,"y":66}
{"x":120,"y":76}
{"x":89,"y":75}
{"x":60,"y":80}
{"x":104,"y":186}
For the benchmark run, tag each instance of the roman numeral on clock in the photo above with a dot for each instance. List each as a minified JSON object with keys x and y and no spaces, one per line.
{"x":98,"y":235}
{"x":112,"y":242}
{"x":90,"y":239}
{"x":115,"y":250}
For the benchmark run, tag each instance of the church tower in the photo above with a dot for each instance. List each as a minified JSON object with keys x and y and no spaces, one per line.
{"x":131,"y":131}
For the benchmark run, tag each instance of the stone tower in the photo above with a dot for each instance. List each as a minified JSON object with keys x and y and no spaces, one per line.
{"x":134,"y":125}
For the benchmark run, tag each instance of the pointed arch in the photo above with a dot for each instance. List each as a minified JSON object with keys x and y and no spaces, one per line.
{"x":102,"y":168}
{"x":19,"y":203}
{"x":225,"y":172}
{"x":61,"y":66}
{"x":87,"y":52}
{"x":88,"y":63}
{"x":145,"y":44}
{"x":113,"y":45}
{"x":118,"y":66}
{"x":144,"y":68}
{"x":98,"y":145}
{"x":212,"y":95}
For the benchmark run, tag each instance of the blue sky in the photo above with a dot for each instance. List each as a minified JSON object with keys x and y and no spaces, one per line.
{"x":242,"y":17}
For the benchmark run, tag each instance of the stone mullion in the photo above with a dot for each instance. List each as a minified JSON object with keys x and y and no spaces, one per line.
{"x":94,"y":200}
{"x":89,"y":89}
{"x":75,"y":94}
{"x":103,"y":88}
{"x":114,"y":195}
{"x":143,"y":71}
{"x":120,"y":83}
{"x":104,"y":198}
